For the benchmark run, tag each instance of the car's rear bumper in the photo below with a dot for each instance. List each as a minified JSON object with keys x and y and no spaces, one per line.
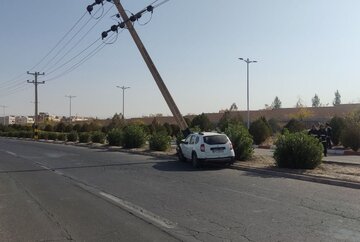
{"x":230,"y":159}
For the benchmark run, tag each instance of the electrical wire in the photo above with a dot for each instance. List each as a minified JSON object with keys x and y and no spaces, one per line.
{"x":19,"y":78}
{"x":102,"y":12}
{"x":74,"y":57}
{"x":78,"y":42}
{"x":67,"y":43}
{"x":58,"y":43}
{"x":82,"y":61}
{"x":161,"y":3}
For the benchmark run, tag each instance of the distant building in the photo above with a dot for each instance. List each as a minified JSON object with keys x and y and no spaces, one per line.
{"x":23,"y":120}
{"x":7,"y":120}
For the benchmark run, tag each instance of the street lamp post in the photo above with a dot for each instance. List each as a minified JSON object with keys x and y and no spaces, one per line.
{"x":247,"y":61}
{"x":123,"y":96}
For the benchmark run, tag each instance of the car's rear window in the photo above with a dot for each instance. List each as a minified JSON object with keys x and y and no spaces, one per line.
{"x":215,"y":139}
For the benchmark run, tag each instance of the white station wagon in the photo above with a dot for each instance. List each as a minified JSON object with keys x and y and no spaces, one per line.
{"x":206,"y":147}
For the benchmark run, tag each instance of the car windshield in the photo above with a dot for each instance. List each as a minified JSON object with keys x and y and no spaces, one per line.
{"x":215,"y":139}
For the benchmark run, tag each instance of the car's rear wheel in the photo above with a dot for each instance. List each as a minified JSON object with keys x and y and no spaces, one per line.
{"x":195,"y":161}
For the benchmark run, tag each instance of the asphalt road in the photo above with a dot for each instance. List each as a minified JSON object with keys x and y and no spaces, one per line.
{"x":54,"y":192}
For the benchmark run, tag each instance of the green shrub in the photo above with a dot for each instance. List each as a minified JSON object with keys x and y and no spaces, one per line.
{"x":52,"y":135}
{"x":134,"y":136}
{"x":43,"y":135}
{"x":241,"y":141}
{"x":337,"y":124}
{"x":72,"y":136}
{"x":298,"y":150}
{"x":159,"y":141}
{"x":260,"y":131}
{"x":84,"y":137}
{"x":98,"y":137}
{"x":115,"y":137}
{"x":24,"y":134}
{"x":294,"y":126}
{"x":350,"y":135}
{"x":61,"y":136}
{"x":48,"y":128}
{"x":274,"y":125}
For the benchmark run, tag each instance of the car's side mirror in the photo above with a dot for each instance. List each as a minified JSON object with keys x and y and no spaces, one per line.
{"x":183,"y":142}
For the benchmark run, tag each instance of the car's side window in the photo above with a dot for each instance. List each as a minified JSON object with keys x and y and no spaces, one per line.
{"x":188,"y":139}
{"x":192,"y":139}
{"x":197,"y":140}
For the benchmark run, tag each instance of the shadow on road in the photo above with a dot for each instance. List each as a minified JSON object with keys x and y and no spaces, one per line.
{"x":174,"y":166}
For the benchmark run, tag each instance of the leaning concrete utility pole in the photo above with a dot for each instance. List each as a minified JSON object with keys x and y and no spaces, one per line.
{"x":36,"y":83}
{"x":160,"y":83}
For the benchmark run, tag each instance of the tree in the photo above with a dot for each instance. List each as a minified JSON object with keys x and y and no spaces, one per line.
{"x":299,"y":103}
{"x":228,"y":119}
{"x":276,"y":103}
{"x":337,"y":99}
{"x":315,"y":101}
{"x":260,"y":130}
{"x":233,"y":107}
{"x":201,"y":121}
{"x":294,"y":126}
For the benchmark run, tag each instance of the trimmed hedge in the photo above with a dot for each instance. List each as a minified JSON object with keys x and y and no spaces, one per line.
{"x":61,"y":136}
{"x":72,"y":136}
{"x":134,"y":136}
{"x":159,"y":141}
{"x":241,"y":141}
{"x":350,"y":136}
{"x":298,"y":150}
{"x":84,"y":137}
{"x":98,"y":137}
{"x":115,"y":137}
{"x":52,"y":135}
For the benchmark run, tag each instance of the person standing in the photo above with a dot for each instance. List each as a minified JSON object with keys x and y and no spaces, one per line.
{"x":314,"y":131}
{"x":328,"y":135}
{"x":323,"y":138}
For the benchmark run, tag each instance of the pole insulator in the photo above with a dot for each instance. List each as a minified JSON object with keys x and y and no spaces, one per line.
{"x":90,"y":8}
{"x":133,"y":18}
{"x":114,"y":28}
{"x":149,"y":8}
{"x":104,"y":35}
{"x":122,"y":25}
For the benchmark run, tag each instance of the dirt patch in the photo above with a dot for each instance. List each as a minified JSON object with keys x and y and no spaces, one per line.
{"x":346,"y":172}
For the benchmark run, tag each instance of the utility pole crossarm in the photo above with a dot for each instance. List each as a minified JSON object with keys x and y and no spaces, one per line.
{"x":160,"y":83}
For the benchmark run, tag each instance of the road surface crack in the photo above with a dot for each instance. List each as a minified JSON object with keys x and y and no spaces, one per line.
{"x":50,"y":215}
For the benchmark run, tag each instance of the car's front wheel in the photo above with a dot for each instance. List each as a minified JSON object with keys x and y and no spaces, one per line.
{"x":181,"y":156}
{"x":195,"y":161}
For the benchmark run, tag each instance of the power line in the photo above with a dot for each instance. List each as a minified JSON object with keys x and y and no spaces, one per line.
{"x":58,"y":43}
{"x":53,"y":68}
{"x":78,"y":64}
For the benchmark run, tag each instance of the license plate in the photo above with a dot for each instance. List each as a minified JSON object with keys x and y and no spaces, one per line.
{"x":218,"y":150}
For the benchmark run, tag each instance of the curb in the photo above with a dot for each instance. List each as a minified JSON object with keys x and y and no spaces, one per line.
{"x":302,"y":177}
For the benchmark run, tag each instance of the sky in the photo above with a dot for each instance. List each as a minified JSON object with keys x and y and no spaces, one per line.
{"x":303,"y":48}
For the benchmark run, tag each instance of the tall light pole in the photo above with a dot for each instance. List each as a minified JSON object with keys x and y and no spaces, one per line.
{"x":3,"y":106}
{"x":247,"y":61}
{"x":70,"y":97}
{"x":123,"y":96}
